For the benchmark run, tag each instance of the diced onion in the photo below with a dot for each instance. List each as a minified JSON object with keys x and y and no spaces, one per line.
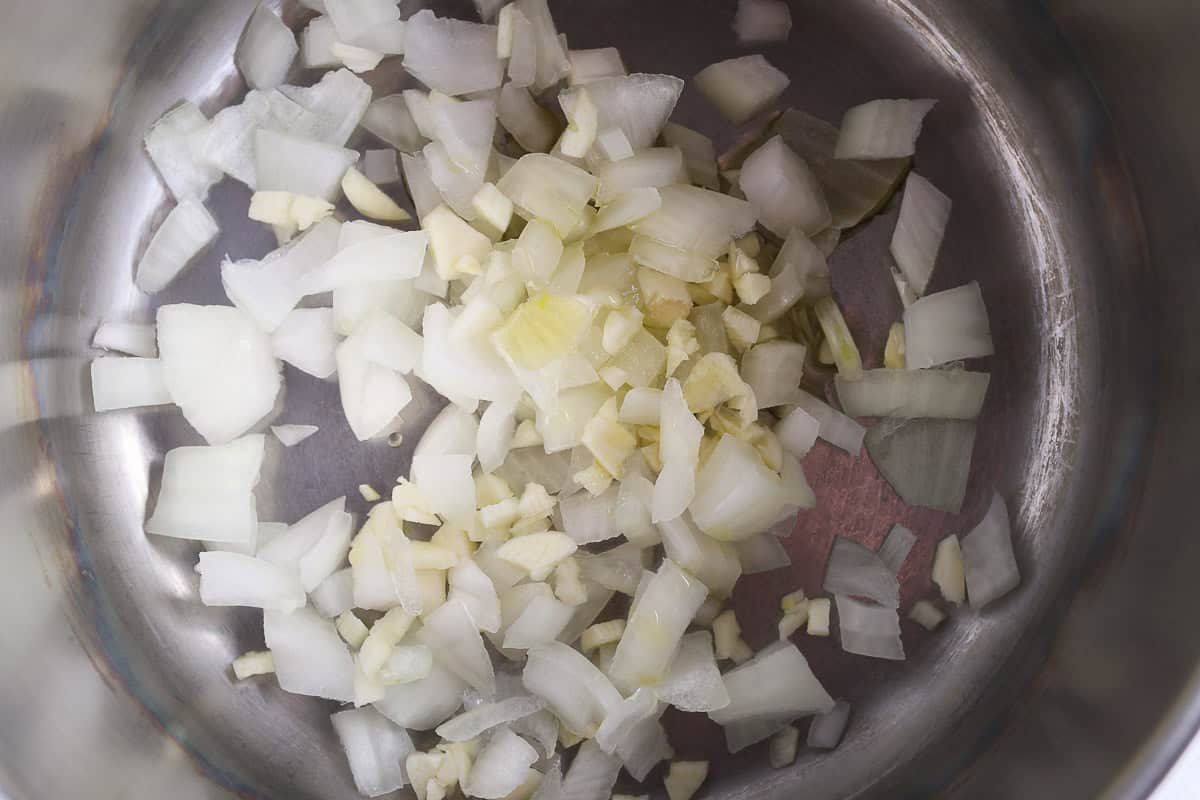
{"x":835,"y":427}
{"x":855,"y":570}
{"x":776,"y":682}
{"x":907,"y":394}
{"x":713,"y":562}
{"x":306,"y":339}
{"x":797,"y":432}
{"x":699,"y":154}
{"x":233,"y":579}
{"x":655,"y":167}
{"x":947,"y":326}
{"x":171,"y":146}
{"x":592,"y":65}
{"x":500,"y":767}
{"x":576,"y":691}
{"x":736,"y":495}
{"x":423,"y":705}
{"x":826,"y":730}
{"x":452,"y":56}
{"x":639,"y":104}
{"x":762,"y":21}
{"x":693,"y":683}
{"x":882,"y":129}
{"x":869,"y":630}
{"x":924,"y":213}
{"x":470,"y":724}
{"x":988,"y":559}
{"x":742,"y":88}
{"x":896,"y":547}
{"x":762,"y":553}
{"x":207,"y":493}
{"x":552,"y":63}
{"x":185,"y":233}
{"x":286,"y":163}
{"x":292,"y":435}
{"x":592,"y":775}
{"x":119,"y":383}
{"x":926,"y":461}
{"x":783,"y":190}
{"x":452,"y":636}
{"x":266,"y":50}
{"x":532,"y":126}
{"x":375,"y":748}
{"x":773,"y":370}
{"x":310,"y":658}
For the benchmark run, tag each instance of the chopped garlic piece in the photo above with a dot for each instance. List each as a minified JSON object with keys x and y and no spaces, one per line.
{"x":741,"y":263}
{"x":620,"y":327}
{"x":421,"y":769}
{"x":287,"y":210}
{"x":525,"y":527}
{"x":782,"y":747}
{"x":502,"y":515}
{"x":352,"y":629}
{"x":595,"y":479}
{"x":750,"y":244}
{"x":664,"y":298}
{"x":793,"y":621}
{"x":568,"y":738}
{"x":538,"y":553}
{"x":713,"y":380}
{"x":741,"y":328}
{"x":535,"y":502}
{"x":684,"y":779}
{"x":451,"y":238}
{"x":727,"y":635}
{"x":454,"y":540}
{"x":652,"y":456}
{"x":792,"y":601}
{"x":893,"y":352}
{"x":427,"y":555}
{"x":708,"y":612}
{"x":752,"y":287}
{"x":369,"y":493}
{"x":412,"y":505}
{"x":542,"y":329}
{"x":682,"y":344}
{"x":614,"y":377}
{"x":720,"y":286}
{"x":610,"y":443}
{"x":926,"y":614}
{"x":248,"y":665}
{"x":601,"y":634}
{"x":818,"y":616}
{"x":948,"y":570}
{"x":568,"y":583}
{"x":369,"y":200}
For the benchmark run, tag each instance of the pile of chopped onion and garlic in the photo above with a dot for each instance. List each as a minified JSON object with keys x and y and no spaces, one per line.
{"x":620,"y":325}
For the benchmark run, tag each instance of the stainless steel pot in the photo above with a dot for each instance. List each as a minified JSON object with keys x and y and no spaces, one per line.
{"x":1067,"y":137}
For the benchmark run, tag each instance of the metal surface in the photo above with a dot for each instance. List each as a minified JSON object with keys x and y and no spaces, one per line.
{"x":115,"y":679}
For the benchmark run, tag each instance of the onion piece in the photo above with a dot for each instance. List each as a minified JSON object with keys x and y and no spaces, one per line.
{"x":927,"y":462}
{"x":826,"y":730}
{"x":592,"y":775}
{"x":465,"y":130}
{"x":119,"y":383}
{"x":736,"y":495}
{"x":988,"y":559}
{"x":639,"y":104}
{"x":868,"y":629}
{"x":697,"y":220}
{"x":218,"y":368}
{"x":588,"y":66}
{"x":170,"y":145}
{"x":310,"y":658}
{"x":623,"y":720}
{"x":655,"y":167}
{"x":541,"y":622}
{"x":776,"y":682}
{"x":292,"y":435}
{"x":474,"y":589}
{"x":184,"y":234}
{"x":534,"y":128}
{"x":375,"y":748}
{"x":552,"y":63}
{"x":423,"y":705}
{"x":463,"y":369}
{"x":644,"y":747}
{"x":924,"y":213}
{"x":268,"y":290}
{"x":947,"y":326}
{"x":743,"y":87}
{"x":740,"y":735}
{"x":207,"y":493}
{"x":896,"y":547}
{"x":501,"y":767}
{"x":694,"y":682}
{"x":627,"y":209}
{"x":926,"y":614}
{"x":679,"y":447}
{"x":335,"y":595}
{"x":369,"y":200}
{"x":266,"y":50}
{"x":286,"y":163}
{"x":336,"y":105}
{"x":450,"y":55}
{"x":543,"y":187}
{"x":762,"y":21}
{"x":651,"y":639}
{"x":762,"y":553}
{"x":470,"y":724}
{"x":372,"y":395}
{"x":369,"y":253}
{"x":576,"y":691}
{"x":855,"y":189}
{"x":783,"y":190}
{"x":588,"y":519}
{"x":841,"y":342}
{"x":855,"y":570}
{"x":522,"y":45}
{"x":389,"y":119}
{"x":125,"y":337}
{"x":452,"y":636}
{"x":316,"y":44}
{"x":619,"y":569}
{"x":908,"y":394}
{"x":306,"y":339}
{"x":715,"y":563}
{"x":233,"y":579}
{"x":882,"y":129}
{"x":773,"y":370}
{"x":699,"y":154}
{"x":836,"y":428}
{"x":797,"y":432}
{"x":586,"y":613}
